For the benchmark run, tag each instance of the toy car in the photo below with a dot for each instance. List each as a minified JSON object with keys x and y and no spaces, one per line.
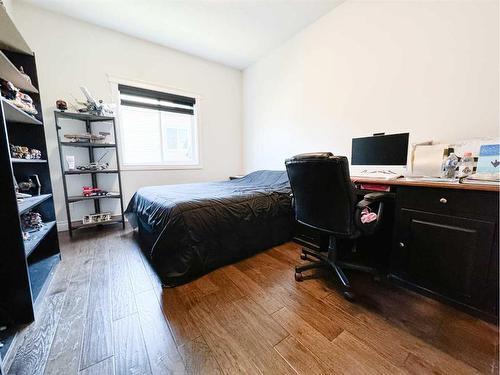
{"x":89,"y":191}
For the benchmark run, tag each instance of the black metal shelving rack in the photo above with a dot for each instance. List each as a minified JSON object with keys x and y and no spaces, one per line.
{"x":88,"y":120}
{"x":26,"y":266}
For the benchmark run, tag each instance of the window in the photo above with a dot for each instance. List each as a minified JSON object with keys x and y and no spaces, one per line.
{"x":157,"y":128}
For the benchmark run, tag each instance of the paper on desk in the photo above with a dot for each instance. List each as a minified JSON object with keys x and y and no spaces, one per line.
{"x":427,"y":160}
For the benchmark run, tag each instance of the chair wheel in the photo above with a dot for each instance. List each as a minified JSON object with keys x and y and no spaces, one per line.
{"x":349,"y":296}
{"x":303,"y":256}
{"x":298,"y":276}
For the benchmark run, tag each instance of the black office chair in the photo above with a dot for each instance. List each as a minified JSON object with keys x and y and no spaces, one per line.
{"x":324,"y":199}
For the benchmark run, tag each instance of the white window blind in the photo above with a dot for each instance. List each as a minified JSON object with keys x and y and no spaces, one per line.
{"x":158,"y":129}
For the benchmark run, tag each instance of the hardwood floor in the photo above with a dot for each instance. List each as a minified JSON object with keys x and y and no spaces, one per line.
{"x":106,"y":313}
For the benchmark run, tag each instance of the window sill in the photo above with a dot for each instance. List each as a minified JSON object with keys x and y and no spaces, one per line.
{"x":127,"y":168}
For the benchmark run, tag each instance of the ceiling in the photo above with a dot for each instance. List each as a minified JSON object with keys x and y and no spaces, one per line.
{"x":231,"y":32}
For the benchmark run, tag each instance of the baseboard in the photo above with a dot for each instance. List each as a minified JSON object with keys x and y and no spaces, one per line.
{"x":62,"y":226}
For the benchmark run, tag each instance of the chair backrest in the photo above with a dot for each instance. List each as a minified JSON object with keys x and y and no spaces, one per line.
{"x":324,"y":195}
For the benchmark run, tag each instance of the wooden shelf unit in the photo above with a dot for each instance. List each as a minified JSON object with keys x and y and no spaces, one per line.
{"x":25,"y":265}
{"x":87,"y":121}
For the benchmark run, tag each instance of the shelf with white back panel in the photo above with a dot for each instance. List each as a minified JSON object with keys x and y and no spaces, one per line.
{"x":28,"y":204}
{"x":35,"y":238}
{"x":85,"y":152}
{"x":10,"y":37}
{"x":14,"y":114}
{"x":9,"y":72}
{"x":30,"y":249}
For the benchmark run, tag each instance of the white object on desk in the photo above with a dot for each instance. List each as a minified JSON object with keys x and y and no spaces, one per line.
{"x":427,"y":160}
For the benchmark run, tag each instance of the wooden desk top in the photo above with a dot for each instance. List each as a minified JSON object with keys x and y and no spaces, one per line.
{"x":428,"y":184}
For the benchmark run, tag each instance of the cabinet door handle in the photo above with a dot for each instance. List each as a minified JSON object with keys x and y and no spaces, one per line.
{"x":443,"y":200}
{"x":401,"y":244}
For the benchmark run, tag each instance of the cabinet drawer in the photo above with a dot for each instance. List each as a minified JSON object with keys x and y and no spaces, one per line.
{"x":447,"y":255}
{"x":465,"y":203}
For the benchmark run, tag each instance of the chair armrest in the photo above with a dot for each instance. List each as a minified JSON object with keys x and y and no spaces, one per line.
{"x":371,"y":198}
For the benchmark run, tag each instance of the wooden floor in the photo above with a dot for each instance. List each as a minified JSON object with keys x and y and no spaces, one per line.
{"x":106,"y":313}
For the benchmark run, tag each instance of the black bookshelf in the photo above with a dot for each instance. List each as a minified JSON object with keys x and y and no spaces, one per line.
{"x":87,"y":122}
{"x":25,"y":265}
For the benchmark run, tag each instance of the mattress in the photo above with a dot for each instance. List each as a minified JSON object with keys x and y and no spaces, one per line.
{"x":191,"y":229}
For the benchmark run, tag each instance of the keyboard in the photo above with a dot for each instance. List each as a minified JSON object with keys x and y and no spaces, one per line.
{"x":381,"y":175}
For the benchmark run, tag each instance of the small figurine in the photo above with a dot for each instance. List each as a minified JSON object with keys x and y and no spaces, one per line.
{"x":94,"y":166}
{"x":26,"y":77}
{"x":96,"y":218}
{"x":8,"y":90}
{"x":85,"y":137}
{"x":98,"y":108}
{"x":23,"y":152}
{"x":61,"y":105}
{"x":105,"y":135}
{"x":19,"y":152}
{"x":32,"y":185}
{"x":20,"y":196}
{"x":26,"y":185}
{"x":17,"y":98}
{"x":31,"y":221}
{"x":35,"y":154}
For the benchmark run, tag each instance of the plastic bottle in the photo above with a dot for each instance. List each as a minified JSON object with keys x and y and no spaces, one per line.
{"x":445,"y":156}
{"x":450,"y":165}
{"x":466,"y":166}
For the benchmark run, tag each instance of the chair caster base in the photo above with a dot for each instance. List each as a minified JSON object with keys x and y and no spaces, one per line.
{"x":299,"y":276}
{"x":349,"y":296}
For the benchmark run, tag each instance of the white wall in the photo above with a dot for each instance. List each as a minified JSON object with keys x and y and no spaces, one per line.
{"x":427,"y":67}
{"x":7,"y":4}
{"x":71,"y":53}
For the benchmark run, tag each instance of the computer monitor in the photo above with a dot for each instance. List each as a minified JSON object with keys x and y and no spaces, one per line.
{"x":380,"y":150}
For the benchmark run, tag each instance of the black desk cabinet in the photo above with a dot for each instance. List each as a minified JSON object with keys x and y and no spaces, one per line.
{"x":445,"y":244}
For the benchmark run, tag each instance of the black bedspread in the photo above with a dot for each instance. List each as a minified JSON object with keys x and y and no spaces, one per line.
{"x":191,"y":229}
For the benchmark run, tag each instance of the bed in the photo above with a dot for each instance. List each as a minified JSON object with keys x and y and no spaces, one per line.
{"x":190,"y":229}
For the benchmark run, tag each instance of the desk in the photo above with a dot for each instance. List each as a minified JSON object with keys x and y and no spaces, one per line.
{"x":441,"y":240}
{"x":426,"y":184}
